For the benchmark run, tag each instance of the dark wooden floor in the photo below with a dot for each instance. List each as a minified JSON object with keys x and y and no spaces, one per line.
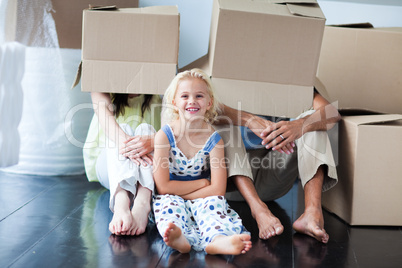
{"x":63,"y":222}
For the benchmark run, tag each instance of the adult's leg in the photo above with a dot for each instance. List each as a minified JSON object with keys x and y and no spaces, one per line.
{"x":134,"y":183}
{"x":317,"y":173}
{"x":311,"y":222}
{"x":240,"y":175}
{"x":268,"y":224}
{"x":141,"y":209}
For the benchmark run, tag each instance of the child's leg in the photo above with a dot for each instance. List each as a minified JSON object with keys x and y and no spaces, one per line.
{"x":174,"y":238}
{"x":220,"y":227}
{"x":231,"y":245}
{"x":173,"y":222}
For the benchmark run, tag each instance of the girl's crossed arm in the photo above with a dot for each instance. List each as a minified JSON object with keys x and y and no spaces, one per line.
{"x":161,"y":171}
{"x":218,"y":175}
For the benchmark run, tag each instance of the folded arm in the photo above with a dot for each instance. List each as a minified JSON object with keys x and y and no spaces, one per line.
{"x":161,"y":171}
{"x":218,"y":175}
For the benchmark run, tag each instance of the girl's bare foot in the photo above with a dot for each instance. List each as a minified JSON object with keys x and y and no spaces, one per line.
{"x":174,"y":238}
{"x":230,"y":245}
{"x":311,"y":223}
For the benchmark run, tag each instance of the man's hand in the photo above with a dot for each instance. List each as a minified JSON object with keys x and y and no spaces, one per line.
{"x":281,"y":136}
{"x":278,"y":136}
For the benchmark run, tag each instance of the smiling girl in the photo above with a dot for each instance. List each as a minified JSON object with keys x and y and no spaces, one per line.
{"x":190,"y":173}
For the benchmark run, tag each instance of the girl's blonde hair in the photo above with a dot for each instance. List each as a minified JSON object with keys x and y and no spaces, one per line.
{"x":170,"y":113}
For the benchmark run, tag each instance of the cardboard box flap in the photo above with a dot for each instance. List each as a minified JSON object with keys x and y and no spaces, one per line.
{"x":163,"y":10}
{"x":102,"y":7}
{"x":306,"y":8}
{"x":373,"y":119}
{"x":311,"y":10}
{"x":354,"y":25}
{"x":293,"y":1}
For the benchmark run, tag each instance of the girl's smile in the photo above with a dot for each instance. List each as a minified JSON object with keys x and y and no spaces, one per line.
{"x":192,"y":98}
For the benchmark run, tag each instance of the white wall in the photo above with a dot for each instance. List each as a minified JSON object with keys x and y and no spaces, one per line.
{"x":195,"y":17}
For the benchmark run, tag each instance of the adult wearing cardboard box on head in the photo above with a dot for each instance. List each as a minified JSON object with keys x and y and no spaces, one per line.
{"x":293,"y":148}
{"x":118,"y":154}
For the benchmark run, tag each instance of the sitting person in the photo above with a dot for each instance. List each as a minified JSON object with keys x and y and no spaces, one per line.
{"x":190,"y":173}
{"x":313,"y":162}
{"x":118,"y":153}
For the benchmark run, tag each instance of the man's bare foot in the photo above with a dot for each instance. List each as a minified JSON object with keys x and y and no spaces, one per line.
{"x":174,"y":238}
{"x":268,"y":224}
{"x":229,"y":245}
{"x":122,"y":222}
{"x":311,"y":223}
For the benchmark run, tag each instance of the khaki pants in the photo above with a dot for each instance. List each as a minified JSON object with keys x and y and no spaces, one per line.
{"x":274,"y":173}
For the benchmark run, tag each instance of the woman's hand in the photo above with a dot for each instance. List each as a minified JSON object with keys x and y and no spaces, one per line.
{"x":139,"y":149}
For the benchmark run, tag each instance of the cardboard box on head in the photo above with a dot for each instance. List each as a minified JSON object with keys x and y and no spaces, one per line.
{"x":133,"y":50}
{"x":264,"y":54}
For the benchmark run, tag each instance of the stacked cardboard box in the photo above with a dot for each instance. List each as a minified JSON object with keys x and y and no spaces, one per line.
{"x":361,"y":68}
{"x":263,"y":55}
{"x":133,"y":50}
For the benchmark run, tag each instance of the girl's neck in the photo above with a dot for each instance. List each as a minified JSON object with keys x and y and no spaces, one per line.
{"x":191,"y":126}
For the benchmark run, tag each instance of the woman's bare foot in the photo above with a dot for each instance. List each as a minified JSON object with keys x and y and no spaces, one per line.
{"x":230,"y":245}
{"x":268,"y":224}
{"x":174,"y":238}
{"x":122,"y":220}
{"x":311,"y":223}
{"x":140,"y":212}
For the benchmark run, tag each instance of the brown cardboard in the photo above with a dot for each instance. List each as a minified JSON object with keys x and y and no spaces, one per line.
{"x":67,"y":16}
{"x":266,"y":52}
{"x":361,"y":67}
{"x":133,"y":50}
{"x":369,"y":171}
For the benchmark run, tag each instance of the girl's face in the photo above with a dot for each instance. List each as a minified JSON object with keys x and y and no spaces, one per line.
{"x":192,"y":99}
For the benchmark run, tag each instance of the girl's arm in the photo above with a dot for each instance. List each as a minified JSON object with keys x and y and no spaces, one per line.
{"x":218,"y":175}
{"x":161,"y":171}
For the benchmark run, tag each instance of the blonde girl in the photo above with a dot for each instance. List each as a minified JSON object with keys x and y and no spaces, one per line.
{"x":190,"y":173}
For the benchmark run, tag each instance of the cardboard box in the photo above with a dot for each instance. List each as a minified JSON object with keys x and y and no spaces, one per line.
{"x":133,"y":50}
{"x":67,"y":16}
{"x":369,"y":171}
{"x":361,"y":67}
{"x":265,"y":52}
